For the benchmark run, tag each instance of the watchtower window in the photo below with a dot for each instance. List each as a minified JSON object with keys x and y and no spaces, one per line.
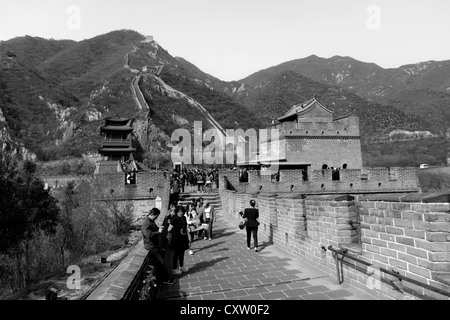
{"x":344,"y":166}
{"x":130,"y":178}
{"x":335,"y":174}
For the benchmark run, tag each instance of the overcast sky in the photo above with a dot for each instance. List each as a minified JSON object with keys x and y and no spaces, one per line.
{"x":231,"y":39}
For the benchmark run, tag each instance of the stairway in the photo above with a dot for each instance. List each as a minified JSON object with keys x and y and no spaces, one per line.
{"x":213,"y":198}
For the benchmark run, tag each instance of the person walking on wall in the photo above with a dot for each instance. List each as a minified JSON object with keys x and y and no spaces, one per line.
{"x":151,"y":235}
{"x":251,"y":216}
{"x":180,"y":241}
{"x":176,"y":188}
{"x":209,"y":183}
{"x":209,"y":217}
{"x":191,"y":219}
{"x":166,"y":238}
{"x":200,"y":216}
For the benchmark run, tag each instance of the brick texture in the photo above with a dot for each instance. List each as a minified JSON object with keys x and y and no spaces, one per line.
{"x":406,"y":237}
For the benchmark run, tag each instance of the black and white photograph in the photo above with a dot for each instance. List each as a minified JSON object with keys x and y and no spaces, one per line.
{"x":224,"y":158}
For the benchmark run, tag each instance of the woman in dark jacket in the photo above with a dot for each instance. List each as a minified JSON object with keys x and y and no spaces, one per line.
{"x":180,"y":241}
{"x":251,"y":215}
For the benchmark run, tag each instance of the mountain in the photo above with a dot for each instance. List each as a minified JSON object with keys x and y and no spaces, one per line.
{"x":279,"y":92}
{"x":54,"y":95}
{"x":34,"y":50}
{"x":426,"y":85}
{"x":107,"y":75}
{"x":34,"y":109}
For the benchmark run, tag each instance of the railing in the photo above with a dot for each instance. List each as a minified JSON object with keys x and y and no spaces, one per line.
{"x":122,"y":143}
{"x":344,"y":254}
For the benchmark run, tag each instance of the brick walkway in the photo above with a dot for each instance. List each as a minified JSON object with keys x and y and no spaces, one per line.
{"x":224,"y":268}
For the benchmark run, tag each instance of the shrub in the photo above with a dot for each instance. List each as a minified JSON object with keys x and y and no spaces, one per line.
{"x":433,"y":182}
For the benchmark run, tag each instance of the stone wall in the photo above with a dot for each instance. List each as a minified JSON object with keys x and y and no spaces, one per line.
{"x":409,"y":234}
{"x":404,"y":233}
{"x":125,"y":279}
{"x":334,"y":151}
{"x":149,"y":187}
{"x":355,"y":181}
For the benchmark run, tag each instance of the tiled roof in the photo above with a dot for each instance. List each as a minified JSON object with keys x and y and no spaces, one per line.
{"x":302,"y":107}
{"x":116,"y":128}
{"x":129,"y":149}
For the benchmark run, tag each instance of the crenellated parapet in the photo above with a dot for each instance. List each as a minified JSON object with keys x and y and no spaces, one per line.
{"x":367,"y":180}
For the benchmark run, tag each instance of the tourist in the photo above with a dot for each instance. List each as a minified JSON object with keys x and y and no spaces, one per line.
{"x":176,"y":190}
{"x":208,"y":183}
{"x":151,"y":235}
{"x":216,"y":178}
{"x":191,"y":219}
{"x":180,"y":241}
{"x":166,"y":237}
{"x":182,"y":181}
{"x":190,"y":180}
{"x":200,"y":219}
{"x":200,"y":182}
{"x":251,"y":216}
{"x":209,"y":218}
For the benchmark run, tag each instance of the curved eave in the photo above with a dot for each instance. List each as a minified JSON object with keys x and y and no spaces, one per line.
{"x":118,"y":150}
{"x":281,"y":119}
{"x":115,"y":119}
{"x":116,"y":128}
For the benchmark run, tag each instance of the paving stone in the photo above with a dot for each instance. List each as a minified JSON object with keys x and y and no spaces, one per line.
{"x":209,"y":278}
{"x":273,"y":274}
{"x":214,"y":287}
{"x":226,"y":286}
{"x":192,"y":298}
{"x":235,"y":293}
{"x":256,"y":290}
{"x":273,"y":295}
{"x":270,"y":280}
{"x":250,"y":283}
{"x":255,"y":276}
{"x":289,"y":278}
{"x":315,"y":296}
{"x":199,"y":284}
{"x":252,"y":297}
{"x":295,"y":292}
{"x":298,"y":284}
{"x":278,"y":287}
{"x":289,"y":272}
{"x":218,"y":281}
{"x":213,"y":296}
{"x":294,"y":298}
{"x":338,"y":294}
{"x":315,"y":289}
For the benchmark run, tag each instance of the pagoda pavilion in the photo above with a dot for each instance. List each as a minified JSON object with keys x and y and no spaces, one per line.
{"x":116,"y":142}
